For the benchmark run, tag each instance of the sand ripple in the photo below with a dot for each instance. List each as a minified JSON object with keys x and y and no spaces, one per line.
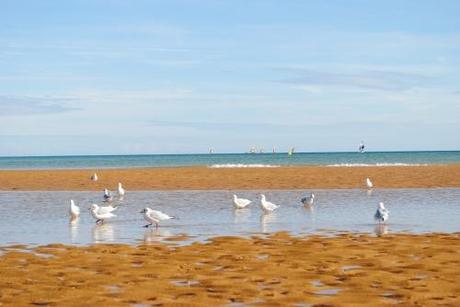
{"x":276,"y":270}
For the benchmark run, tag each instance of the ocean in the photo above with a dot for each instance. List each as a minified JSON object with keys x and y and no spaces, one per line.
{"x":233,"y":160}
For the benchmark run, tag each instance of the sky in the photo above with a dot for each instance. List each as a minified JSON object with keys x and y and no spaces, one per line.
{"x":181,"y":76}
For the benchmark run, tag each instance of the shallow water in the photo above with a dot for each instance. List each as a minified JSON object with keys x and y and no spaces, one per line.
{"x":42,"y":217}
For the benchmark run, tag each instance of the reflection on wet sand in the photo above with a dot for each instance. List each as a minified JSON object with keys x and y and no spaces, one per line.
{"x":156,"y":235}
{"x":241,"y":215}
{"x":103,"y":233}
{"x":381,"y":229}
{"x":309,"y":208}
{"x":265,"y":220}
{"x":73,"y":225}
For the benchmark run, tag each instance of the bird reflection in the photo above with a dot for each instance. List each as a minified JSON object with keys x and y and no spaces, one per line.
{"x":369,"y":192}
{"x":381,"y":229}
{"x":309,"y":208}
{"x":73,"y":229}
{"x":265,"y":220}
{"x":102,"y":233}
{"x":156,"y":235}
{"x":241,"y":215}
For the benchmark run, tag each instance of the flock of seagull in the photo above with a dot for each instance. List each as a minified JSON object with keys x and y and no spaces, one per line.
{"x":102,"y":213}
{"x":381,"y":215}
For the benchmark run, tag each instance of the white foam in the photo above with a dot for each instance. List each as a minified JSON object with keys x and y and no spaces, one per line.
{"x":375,"y":164}
{"x":239,"y":165}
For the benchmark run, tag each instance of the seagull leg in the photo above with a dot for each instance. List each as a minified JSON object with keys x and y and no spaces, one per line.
{"x":156,"y":225}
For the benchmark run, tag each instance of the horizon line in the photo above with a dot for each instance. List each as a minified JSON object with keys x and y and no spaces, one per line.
{"x":224,"y":153}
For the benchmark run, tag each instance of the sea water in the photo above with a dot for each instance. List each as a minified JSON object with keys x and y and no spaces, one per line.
{"x":234,"y":160}
{"x":43,"y":217}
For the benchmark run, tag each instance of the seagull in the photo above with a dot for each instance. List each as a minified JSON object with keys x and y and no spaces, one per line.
{"x":102,"y":213}
{"x":266,"y":205}
{"x":382,"y":214}
{"x":94,"y":177}
{"x":308,"y":201}
{"x":240,"y":203}
{"x":369,"y":183}
{"x":107,"y":195}
{"x":155,"y":216}
{"x":74,"y":210}
{"x":121,"y":191}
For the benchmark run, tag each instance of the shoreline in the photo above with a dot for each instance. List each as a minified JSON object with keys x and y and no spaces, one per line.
{"x":395,"y":268}
{"x":204,"y":178}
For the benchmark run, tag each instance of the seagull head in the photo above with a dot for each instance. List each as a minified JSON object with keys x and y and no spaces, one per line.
{"x":381,"y":205}
{"x":119,"y":184}
{"x":93,"y":207}
{"x":262,"y":196}
{"x":312,"y":195}
{"x":145,"y":210}
{"x":72,"y":202}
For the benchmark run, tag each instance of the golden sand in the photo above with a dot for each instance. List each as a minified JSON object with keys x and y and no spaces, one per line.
{"x":200,"y":178}
{"x":346,"y":270}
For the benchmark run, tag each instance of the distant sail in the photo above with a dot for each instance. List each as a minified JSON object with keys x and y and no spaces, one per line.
{"x":361,"y":147}
{"x":291,"y":151}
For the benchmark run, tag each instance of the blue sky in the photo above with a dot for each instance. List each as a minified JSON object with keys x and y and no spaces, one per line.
{"x":121,"y":77}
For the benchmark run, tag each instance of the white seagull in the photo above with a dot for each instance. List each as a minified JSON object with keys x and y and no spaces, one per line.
{"x":74,"y":210}
{"x":155,"y":216}
{"x":369,"y":183}
{"x":102,"y":213}
{"x":382,"y":214}
{"x":240,"y":203}
{"x":266,"y":205}
{"x":107,"y":195}
{"x":94,"y":177}
{"x":121,"y":191}
{"x":308,"y":201}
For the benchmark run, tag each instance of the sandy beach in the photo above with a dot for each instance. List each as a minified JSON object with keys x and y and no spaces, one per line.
{"x":277,"y":270}
{"x":202,"y":178}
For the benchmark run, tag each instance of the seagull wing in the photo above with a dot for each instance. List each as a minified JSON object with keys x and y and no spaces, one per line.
{"x":106,"y":209}
{"x":270,"y":206}
{"x":242,"y":202}
{"x":105,"y":215}
{"x":158,"y":215}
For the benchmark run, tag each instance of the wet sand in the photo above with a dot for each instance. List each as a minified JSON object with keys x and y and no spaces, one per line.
{"x":202,"y":178}
{"x":346,"y":270}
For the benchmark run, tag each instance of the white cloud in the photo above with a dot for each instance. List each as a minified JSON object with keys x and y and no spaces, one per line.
{"x":26,"y":105}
